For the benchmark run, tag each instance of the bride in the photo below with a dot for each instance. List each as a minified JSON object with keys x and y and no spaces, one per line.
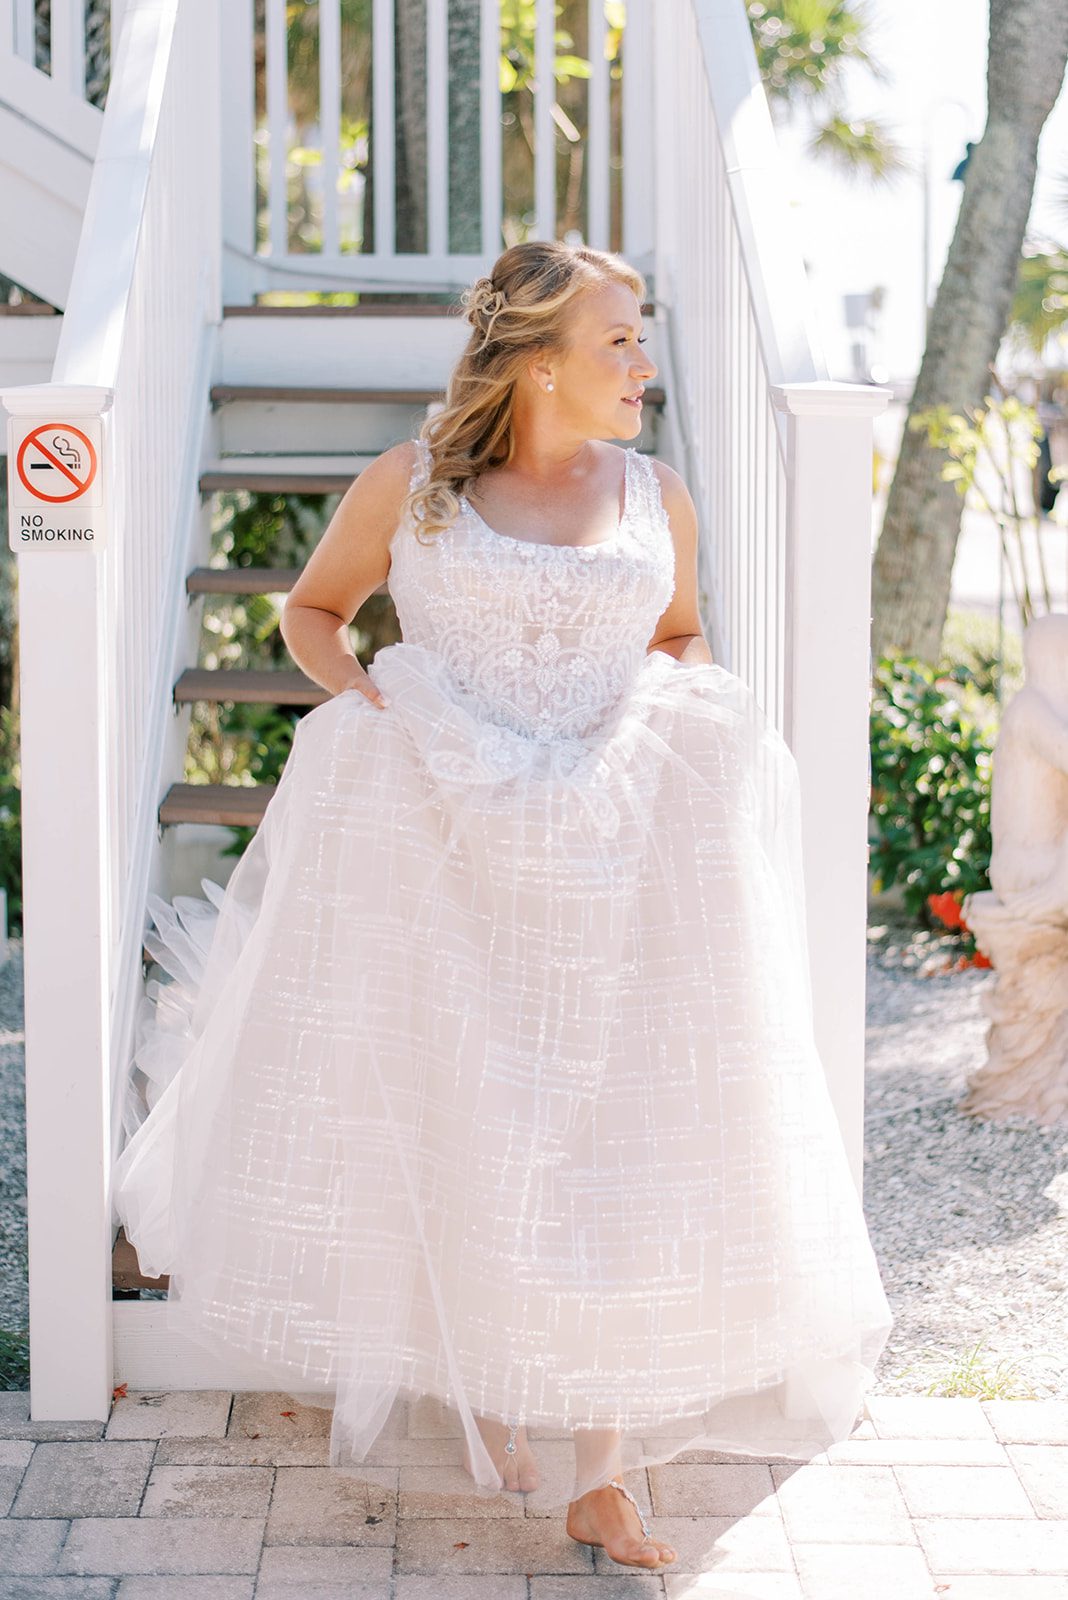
{"x":491,"y":1074}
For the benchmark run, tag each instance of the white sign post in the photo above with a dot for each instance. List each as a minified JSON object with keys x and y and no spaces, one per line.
{"x":58,"y":471}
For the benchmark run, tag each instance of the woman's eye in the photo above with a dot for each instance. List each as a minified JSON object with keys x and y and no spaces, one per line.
{"x":623,"y":337}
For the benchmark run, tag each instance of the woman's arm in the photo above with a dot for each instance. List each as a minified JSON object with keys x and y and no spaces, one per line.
{"x":678,"y":632}
{"x":349,"y":563}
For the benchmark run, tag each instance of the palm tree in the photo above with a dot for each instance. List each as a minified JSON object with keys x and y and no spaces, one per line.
{"x":803,"y":48}
{"x":1027,"y":53}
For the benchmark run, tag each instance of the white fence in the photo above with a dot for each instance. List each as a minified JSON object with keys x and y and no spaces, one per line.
{"x":97,"y":652}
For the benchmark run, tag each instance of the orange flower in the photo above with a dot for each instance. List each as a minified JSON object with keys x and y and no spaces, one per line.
{"x":946,"y":907}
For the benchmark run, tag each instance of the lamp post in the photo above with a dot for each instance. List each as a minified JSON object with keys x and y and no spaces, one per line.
{"x":927,"y":120}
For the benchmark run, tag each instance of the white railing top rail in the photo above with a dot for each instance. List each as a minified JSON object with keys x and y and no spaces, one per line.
{"x":753,"y":170}
{"x":97,"y":314}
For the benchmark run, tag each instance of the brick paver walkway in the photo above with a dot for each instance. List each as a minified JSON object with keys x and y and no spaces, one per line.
{"x":213,"y":1496}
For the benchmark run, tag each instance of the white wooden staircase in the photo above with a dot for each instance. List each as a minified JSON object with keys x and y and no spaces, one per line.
{"x":164,"y":209}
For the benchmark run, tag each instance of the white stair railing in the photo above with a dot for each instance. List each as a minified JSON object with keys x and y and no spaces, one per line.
{"x":98,"y":648}
{"x":54,"y":64}
{"x":779,"y":463}
{"x":43,"y":70}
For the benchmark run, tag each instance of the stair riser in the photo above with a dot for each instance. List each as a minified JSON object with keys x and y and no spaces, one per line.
{"x":351,"y":352}
{"x":267,"y":427}
{"x":347,"y":352}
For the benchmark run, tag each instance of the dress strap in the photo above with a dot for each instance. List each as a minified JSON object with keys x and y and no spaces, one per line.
{"x":649,"y":517}
{"x":420,"y":465}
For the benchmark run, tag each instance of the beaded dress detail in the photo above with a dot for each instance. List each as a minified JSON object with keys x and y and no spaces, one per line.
{"x":490,"y":1074}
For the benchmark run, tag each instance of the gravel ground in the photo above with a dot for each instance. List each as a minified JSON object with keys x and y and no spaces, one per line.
{"x":14,"y":1312}
{"x":969,"y":1218}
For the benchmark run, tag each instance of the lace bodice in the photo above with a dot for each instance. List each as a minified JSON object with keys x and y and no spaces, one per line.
{"x":546,"y":639}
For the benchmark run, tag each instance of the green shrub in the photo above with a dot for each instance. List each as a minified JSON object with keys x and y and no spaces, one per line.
{"x":14,"y":1358}
{"x":11,"y":819}
{"x":931,"y":766}
{"x":971,"y":640}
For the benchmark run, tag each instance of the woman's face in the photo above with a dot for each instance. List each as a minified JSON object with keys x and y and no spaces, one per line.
{"x":604,"y":366}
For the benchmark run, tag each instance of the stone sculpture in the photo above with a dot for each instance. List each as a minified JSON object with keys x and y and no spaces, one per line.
{"x":1021,"y":921}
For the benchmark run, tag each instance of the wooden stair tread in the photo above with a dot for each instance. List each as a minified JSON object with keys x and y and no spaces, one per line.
{"x":223,"y":393}
{"x":288,"y":687}
{"x":420,"y":309}
{"x":230,"y":805}
{"x":241,"y":580}
{"x":248,"y":580}
{"x":395,"y":306}
{"x":267,"y":482}
{"x":283,"y":474}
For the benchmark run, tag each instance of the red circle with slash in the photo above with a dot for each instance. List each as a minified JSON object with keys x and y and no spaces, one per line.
{"x":76,"y":463}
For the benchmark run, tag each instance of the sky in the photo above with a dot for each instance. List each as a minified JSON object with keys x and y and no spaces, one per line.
{"x":854,"y":236}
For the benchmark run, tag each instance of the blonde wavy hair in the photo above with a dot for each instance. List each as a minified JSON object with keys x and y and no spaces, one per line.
{"x":523,"y":308}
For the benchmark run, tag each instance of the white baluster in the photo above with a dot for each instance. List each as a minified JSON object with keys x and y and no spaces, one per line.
{"x":598,"y":136}
{"x":330,"y":118}
{"x":490,"y":124}
{"x":437,"y":131}
{"x":68,"y":45}
{"x":544,"y":126}
{"x":382,"y":115}
{"x":277,"y":126}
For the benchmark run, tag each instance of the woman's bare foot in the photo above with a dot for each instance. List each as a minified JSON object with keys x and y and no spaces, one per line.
{"x":519,"y":1470}
{"x":605,"y":1517}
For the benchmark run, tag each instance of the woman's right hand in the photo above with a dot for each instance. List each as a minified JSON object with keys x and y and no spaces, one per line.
{"x":365,"y":685}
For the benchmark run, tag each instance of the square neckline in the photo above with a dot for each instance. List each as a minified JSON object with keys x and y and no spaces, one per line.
{"x":545,"y":544}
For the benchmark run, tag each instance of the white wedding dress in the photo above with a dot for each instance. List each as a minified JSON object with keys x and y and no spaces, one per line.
{"x":490,"y":1075}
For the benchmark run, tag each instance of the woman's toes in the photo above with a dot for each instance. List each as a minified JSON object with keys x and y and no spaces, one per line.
{"x":634,"y":1554}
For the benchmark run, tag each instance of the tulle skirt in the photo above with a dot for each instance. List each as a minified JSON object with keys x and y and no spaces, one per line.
{"x":490,"y":1076}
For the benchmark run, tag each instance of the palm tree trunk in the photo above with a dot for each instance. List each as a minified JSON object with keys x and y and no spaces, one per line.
{"x":914,"y":558}
{"x":465,"y":189}
{"x":410,"y":111}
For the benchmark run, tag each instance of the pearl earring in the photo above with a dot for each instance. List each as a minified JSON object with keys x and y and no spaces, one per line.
{"x":548,"y":388}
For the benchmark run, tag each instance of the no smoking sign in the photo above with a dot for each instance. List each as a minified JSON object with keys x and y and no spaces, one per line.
{"x":56,"y":464}
{"x":55,"y":483}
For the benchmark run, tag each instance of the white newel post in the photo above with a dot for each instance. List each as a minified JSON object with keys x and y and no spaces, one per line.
{"x":63,"y":661}
{"x":828,"y":681}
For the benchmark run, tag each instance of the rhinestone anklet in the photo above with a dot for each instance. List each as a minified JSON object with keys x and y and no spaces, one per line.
{"x":625,"y":1491}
